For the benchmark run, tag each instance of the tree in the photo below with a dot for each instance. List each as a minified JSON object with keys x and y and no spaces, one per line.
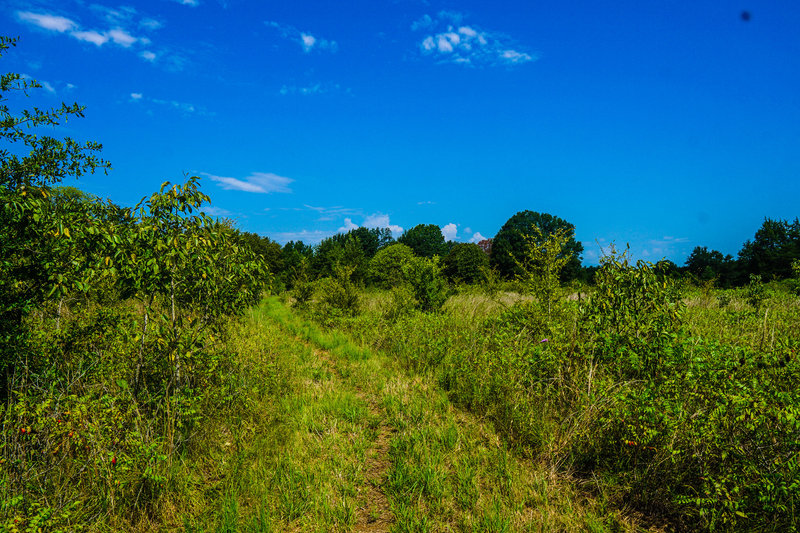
{"x":269,"y":250}
{"x":544,"y":258}
{"x":35,"y":236}
{"x":707,"y":265}
{"x":343,"y":251}
{"x":771,"y":252}
{"x":425,"y":239}
{"x":466,"y":263}
{"x":427,"y":284}
{"x":509,"y":245}
{"x":386,"y":268}
{"x":370,"y":239}
{"x":296,"y":257}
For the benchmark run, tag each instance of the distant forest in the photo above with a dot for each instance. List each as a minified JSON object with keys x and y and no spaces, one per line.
{"x":772,"y":253}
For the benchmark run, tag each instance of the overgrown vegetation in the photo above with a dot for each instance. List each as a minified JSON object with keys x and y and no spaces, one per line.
{"x":135,"y":397}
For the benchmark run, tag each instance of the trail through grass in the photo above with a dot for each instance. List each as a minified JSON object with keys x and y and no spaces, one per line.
{"x":352,"y":443}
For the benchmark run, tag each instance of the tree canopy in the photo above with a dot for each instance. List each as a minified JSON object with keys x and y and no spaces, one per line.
{"x":509,"y":245}
{"x":425,"y":239}
{"x":771,"y":252}
{"x":466,"y":263}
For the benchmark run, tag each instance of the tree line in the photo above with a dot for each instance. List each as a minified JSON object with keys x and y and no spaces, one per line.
{"x":376,"y":256}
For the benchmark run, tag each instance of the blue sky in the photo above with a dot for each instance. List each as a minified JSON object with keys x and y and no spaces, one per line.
{"x":662,"y":124}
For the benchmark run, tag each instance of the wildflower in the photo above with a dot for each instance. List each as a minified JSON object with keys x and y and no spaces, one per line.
{"x":543,"y":340}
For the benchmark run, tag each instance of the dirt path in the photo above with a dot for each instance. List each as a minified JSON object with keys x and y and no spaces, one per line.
{"x":374,"y":515}
{"x":371,"y":447}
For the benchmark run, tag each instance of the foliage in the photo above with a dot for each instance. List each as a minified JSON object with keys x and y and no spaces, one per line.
{"x":36,"y":246}
{"x":426,"y":240}
{"x":707,"y":265}
{"x":543,"y":260}
{"x":771,"y":252}
{"x":267,"y":249}
{"x":756,"y":292}
{"x":509,"y":245}
{"x":337,"y":294}
{"x":426,"y":281}
{"x":334,"y":252}
{"x":370,"y":240}
{"x":296,"y":256}
{"x":110,"y":328}
{"x":633,"y":318}
{"x":465,"y":263}
{"x":386,"y":268}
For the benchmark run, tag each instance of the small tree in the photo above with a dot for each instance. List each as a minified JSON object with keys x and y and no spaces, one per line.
{"x":509,"y":245}
{"x":544,"y":258}
{"x":633,"y":317}
{"x":35,"y":234}
{"x":427,"y":283}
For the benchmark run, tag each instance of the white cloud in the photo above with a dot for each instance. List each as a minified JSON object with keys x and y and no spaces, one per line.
{"x":379,"y":220}
{"x":308,"y":237}
{"x":448,"y":41}
{"x":257,"y":182}
{"x":46,"y":21}
{"x":348,"y":225}
{"x":477,"y":237}
{"x":91,"y":37}
{"x":122,"y":38}
{"x":216,"y":211}
{"x":330,"y":213}
{"x":192,"y":3}
{"x":151,"y":24}
{"x":423,"y":24}
{"x":184,"y":107}
{"x":46,"y":85}
{"x":116,"y":34}
{"x":316,"y":88}
{"x":449,"y":232}
{"x":306,"y":41}
{"x":512,"y":56}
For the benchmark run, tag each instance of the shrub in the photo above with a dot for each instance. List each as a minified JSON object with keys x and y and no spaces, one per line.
{"x":426,"y":281}
{"x":386,"y":268}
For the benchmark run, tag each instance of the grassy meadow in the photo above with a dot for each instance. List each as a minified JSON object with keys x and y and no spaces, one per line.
{"x":485,"y":416}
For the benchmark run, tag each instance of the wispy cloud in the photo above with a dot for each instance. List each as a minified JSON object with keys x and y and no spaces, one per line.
{"x":316,"y":88}
{"x":449,"y":232}
{"x":257,"y":182}
{"x":331,"y":213}
{"x":306,"y":40}
{"x":191,"y":3}
{"x":47,"y":21}
{"x":308,"y":237}
{"x":448,"y":40}
{"x":184,"y":107}
{"x":46,"y":85}
{"x":119,"y":23}
{"x":216,"y":211}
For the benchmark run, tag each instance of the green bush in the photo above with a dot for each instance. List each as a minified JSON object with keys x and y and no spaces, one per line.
{"x":386,"y":267}
{"x":426,"y":281}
